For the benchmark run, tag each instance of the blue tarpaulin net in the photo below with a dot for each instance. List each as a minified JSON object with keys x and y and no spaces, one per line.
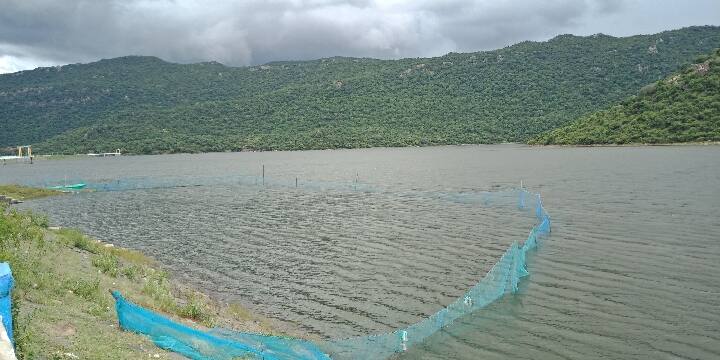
{"x":501,"y":279}
{"x":6,"y":285}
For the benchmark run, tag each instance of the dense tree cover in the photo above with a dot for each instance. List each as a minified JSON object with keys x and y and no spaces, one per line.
{"x":685,"y":107}
{"x":146,"y":105}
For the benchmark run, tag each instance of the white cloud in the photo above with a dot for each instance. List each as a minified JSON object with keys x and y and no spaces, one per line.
{"x":255,"y":31}
{"x":10,"y":64}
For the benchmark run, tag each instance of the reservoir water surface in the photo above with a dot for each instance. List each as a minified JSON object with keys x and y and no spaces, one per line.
{"x":362,"y":245}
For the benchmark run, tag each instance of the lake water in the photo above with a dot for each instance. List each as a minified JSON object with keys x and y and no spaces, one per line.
{"x":629,"y":272}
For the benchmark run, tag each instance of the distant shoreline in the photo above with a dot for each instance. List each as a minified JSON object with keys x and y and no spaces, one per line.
{"x":705,"y":143}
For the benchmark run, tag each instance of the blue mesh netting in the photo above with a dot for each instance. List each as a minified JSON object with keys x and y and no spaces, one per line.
{"x":215,"y":344}
{"x":502,"y":278}
{"x":166,"y":182}
{"x":6,"y":285}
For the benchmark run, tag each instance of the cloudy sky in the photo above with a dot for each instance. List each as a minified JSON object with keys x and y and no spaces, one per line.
{"x":46,"y":32}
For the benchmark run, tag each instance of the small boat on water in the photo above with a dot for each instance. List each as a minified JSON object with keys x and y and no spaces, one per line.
{"x":78,"y":186}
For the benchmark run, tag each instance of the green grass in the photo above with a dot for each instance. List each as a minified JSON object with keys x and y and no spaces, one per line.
{"x":62,"y":303}
{"x":197,"y":309}
{"x":132,"y":272}
{"x":157,"y":287}
{"x":20,"y":192}
{"x":86,"y":289}
{"x":78,"y":240}
{"x":108,"y":263}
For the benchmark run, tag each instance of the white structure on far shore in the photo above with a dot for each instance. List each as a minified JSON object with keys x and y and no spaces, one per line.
{"x":20,"y":153}
{"x":116,"y":153}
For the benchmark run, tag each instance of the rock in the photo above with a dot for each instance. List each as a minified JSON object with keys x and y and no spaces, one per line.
{"x":702,"y":68}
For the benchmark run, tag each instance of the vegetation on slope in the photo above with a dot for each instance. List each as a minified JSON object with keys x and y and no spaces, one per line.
{"x":62,"y":308}
{"x":146,"y":105}
{"x":20,"y":192}
{"x":685,"y":107}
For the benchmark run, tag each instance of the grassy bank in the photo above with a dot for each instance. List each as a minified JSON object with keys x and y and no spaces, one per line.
{"x":62,"y":308}
{"x":20,"y":192}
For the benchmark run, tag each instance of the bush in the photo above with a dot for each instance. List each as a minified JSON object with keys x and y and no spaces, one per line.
{"x":132,"y":272}
{"x":158,"y":288}
{"x":39,"y":220}
{"x":648,"y":89}
{"x":77,"y":239}
{"x":197,"y":310}
{"x":107,"y":263}
{"x":88,"y":290}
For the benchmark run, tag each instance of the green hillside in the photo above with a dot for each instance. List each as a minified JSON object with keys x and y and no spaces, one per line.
{"x":685,"y":107}
{"x":146,"y":105}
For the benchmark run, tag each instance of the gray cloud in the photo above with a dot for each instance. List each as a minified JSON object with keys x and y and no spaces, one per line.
{"x":254,"y":31}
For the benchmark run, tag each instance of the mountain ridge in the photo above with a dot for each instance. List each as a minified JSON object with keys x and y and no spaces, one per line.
{"x":144,"y":104}
{"x":683,"y":107}
{"x":280,"y":62}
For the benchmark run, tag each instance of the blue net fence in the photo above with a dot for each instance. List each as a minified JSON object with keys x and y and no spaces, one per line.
{"x":168,"y":182}
{"x":7,"y":282}
{"x":503,"y":278}
{"x":214,"y":344}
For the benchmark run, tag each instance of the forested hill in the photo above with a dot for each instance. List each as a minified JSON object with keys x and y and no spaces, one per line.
{"x":146,"y":105}
{"x":685,"y":107}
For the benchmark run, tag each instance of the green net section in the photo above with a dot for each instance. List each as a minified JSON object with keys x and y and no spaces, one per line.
{"x":503,"y":278}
